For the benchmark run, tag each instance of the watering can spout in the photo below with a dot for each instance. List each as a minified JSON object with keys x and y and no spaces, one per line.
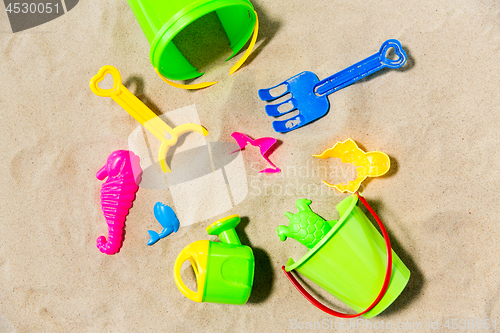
{"x":224,"y":228}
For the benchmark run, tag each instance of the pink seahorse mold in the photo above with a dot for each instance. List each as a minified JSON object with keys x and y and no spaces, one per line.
{"x":123,"y":171}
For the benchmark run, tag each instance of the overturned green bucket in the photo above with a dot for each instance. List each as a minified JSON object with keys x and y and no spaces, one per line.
{"x":162,"y":20}
{"x":349,"y":261}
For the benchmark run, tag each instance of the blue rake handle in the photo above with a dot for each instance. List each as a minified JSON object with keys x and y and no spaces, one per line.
{"x":362,"y":69}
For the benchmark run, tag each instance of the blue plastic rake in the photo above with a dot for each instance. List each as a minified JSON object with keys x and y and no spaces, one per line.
{"x":309,"y":94}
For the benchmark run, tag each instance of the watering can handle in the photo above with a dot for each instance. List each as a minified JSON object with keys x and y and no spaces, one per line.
{"x":387,"y":279}
{"x":183,"y":256}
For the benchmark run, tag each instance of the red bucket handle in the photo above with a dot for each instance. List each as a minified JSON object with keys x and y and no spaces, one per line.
{"x":387,"y":279}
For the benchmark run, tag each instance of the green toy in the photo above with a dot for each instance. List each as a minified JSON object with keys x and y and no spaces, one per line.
{"x":224,"y":270}
{"x":162,"y":20}
{"x":348,"y":258}
{"x":306,"y":227}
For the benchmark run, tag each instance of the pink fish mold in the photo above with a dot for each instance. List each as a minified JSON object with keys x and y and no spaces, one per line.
{"x":123,"y":173}
{"x":265,"y":145}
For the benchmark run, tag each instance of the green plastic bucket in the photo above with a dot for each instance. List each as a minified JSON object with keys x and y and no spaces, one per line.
{"x":162,"y":20}
{"x":350,"y":262}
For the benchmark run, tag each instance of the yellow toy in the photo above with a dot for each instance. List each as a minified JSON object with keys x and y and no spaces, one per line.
{"x":371,"y":164}
{"x":147,"y":118}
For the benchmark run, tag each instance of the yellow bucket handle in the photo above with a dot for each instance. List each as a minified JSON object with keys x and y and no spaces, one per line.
{"x":231,"y":71}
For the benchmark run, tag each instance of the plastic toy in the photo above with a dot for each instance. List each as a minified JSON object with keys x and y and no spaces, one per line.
{"x":224,"y":271}
{"x":305,"y":226}
{"x":122,"y":170}
{"x":168,"y":220}
{"x":121,"y":95}
{"x":309,"y":95}
{"x":349,"y":261}
{"x":371,"y":164}
{"x":264,"y":144}
{"x":162,"y":20}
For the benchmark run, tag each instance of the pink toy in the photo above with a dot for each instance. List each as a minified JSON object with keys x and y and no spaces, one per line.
{"x":117,"y":193}
{"x":263,"y":143}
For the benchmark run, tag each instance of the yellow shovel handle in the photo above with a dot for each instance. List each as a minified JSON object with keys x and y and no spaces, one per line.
{"x":137,"y":109}
{"x":121,"y":95}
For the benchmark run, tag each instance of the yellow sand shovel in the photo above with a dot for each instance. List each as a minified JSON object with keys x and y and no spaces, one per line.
{"x":137,"y":109}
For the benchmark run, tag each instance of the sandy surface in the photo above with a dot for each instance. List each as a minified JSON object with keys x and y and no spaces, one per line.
{"x":437,"y":118}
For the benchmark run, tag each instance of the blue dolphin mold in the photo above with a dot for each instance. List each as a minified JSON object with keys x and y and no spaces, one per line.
{"x":165,"y":215}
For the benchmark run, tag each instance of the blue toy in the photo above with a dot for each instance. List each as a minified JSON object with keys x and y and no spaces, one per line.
{"x":168,"y":220}
{"x":309,"y":95}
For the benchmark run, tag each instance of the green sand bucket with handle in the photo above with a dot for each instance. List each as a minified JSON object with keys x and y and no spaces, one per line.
{"x":353,"y":262}
{"x":162,"y":20}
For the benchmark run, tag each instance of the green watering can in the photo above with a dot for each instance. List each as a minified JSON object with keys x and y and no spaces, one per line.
{"x":347,"y":258}
{"x":224,"y":270}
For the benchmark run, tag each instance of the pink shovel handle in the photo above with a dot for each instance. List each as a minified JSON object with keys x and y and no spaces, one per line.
{"x":387,"y":279}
